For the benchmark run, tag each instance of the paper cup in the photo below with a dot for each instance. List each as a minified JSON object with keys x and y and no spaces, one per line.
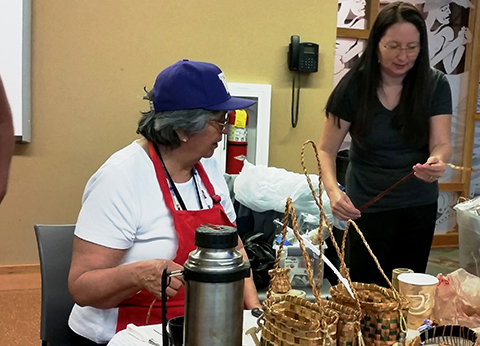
{"x":420,"y":290}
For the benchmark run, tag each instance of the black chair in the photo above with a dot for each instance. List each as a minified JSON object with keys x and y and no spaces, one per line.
{"x":55,"y":254}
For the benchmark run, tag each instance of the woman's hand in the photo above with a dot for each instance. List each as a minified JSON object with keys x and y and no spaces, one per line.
{"x":431,"y":170}
{"x":333,"y":134}
{"x":342,"y":207}
{"x":150,"y":277}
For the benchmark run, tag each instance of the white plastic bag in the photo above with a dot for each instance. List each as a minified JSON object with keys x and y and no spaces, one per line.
{"x":458,"y":299}
{"x":468,"y":220}
{"x":263,"y":188}
{"x":444,"y":310}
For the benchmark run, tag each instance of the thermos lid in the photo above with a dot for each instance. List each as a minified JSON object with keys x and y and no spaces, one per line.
{"x":215,"y":260}
{"x":216,"y":237}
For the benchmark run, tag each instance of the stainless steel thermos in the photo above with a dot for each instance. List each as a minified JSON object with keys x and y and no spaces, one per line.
{"x":214,"y":274}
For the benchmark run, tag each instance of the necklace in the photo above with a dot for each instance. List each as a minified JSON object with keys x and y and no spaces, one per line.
{"x":206,"y":200}
{"x":179,"y":203}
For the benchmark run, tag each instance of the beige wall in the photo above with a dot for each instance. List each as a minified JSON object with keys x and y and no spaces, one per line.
{"x":91,"y":60}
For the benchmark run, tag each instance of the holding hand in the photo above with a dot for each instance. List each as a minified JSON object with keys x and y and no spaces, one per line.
{"x":150,"y":277}
{"x":431,"y":170}
{"x":342,"y":207}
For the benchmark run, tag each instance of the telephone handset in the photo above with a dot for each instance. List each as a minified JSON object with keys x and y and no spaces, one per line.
{"x":302,"y":57}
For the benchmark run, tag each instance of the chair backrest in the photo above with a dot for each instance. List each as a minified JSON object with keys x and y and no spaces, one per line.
{"x":55,"y":254}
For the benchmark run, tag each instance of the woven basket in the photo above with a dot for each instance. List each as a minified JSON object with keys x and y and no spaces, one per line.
{"x":348,"y":325}
{"x":381,"y":311}
{"x":349,"y":331}
{"x":280,"y":280}
{"x":447,"y":335}
{"x":291,"y":320}
{"x":384,"y":310}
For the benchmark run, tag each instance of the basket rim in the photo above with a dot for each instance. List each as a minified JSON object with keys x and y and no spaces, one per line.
{"x":394,"y":300}
{"x":345,"y":312}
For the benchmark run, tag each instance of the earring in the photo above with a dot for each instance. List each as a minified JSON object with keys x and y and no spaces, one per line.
{"x":184,"y":140}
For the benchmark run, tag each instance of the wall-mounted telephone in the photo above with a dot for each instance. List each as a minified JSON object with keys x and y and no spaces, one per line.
{"x":302,"y":57}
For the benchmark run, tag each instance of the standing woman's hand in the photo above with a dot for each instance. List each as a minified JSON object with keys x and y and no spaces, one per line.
{"x":431,"y":170}
{"x":333,"y":134}
{"x":342,"y":207}
{"x":440,"y":149}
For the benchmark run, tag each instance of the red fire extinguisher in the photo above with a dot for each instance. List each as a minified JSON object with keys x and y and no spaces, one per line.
{"x":236,"y":141}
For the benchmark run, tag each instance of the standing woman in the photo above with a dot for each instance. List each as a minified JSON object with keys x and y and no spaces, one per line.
{"x":398,"y":112}
{"x":141,"y":208}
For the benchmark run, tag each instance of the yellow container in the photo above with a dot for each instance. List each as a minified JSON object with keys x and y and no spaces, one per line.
{"x":396,"y":272}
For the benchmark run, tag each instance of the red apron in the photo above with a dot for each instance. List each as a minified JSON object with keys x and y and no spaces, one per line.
{"x":135,"y":309}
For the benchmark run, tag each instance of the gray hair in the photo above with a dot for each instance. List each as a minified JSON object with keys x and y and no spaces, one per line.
{"x":160,"y":127}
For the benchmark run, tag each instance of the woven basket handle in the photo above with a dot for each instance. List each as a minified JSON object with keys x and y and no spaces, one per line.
{"x":317,"y":199}
{"x":323,"y":218}
{"x":290,"y":211}
{"x":397,"y":296}
{"x":344,"y":240}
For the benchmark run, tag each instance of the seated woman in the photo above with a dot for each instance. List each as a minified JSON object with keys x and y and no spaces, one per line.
{"x":141,"y":208}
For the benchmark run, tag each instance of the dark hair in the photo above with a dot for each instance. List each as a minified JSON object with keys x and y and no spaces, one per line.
{"x":410,"y":114}
{"x":160,"y":127}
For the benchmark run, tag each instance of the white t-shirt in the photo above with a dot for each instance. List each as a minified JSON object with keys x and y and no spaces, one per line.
{"x":123,"y":208}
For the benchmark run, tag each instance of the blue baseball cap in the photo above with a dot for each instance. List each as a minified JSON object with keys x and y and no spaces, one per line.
{"x":192,"y":85}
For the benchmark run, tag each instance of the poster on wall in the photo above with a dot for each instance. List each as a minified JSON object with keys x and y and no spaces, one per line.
{"x":448,"y":34}
{"x":351,"y":15}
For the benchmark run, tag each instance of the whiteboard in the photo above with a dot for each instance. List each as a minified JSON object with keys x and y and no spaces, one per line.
{"x":15,"y":34}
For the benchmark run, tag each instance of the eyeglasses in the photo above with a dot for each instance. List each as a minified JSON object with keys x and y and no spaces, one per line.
{"x":409,"y":50}
{"x":223,"y":124}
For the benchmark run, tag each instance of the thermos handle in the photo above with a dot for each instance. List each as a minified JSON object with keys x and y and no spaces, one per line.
{"x":166,"y":277}
{"x":165,"y":336}
{"x":247,"y":269}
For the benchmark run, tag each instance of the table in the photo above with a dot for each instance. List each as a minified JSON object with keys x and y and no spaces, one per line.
{"x":124,"y":338}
